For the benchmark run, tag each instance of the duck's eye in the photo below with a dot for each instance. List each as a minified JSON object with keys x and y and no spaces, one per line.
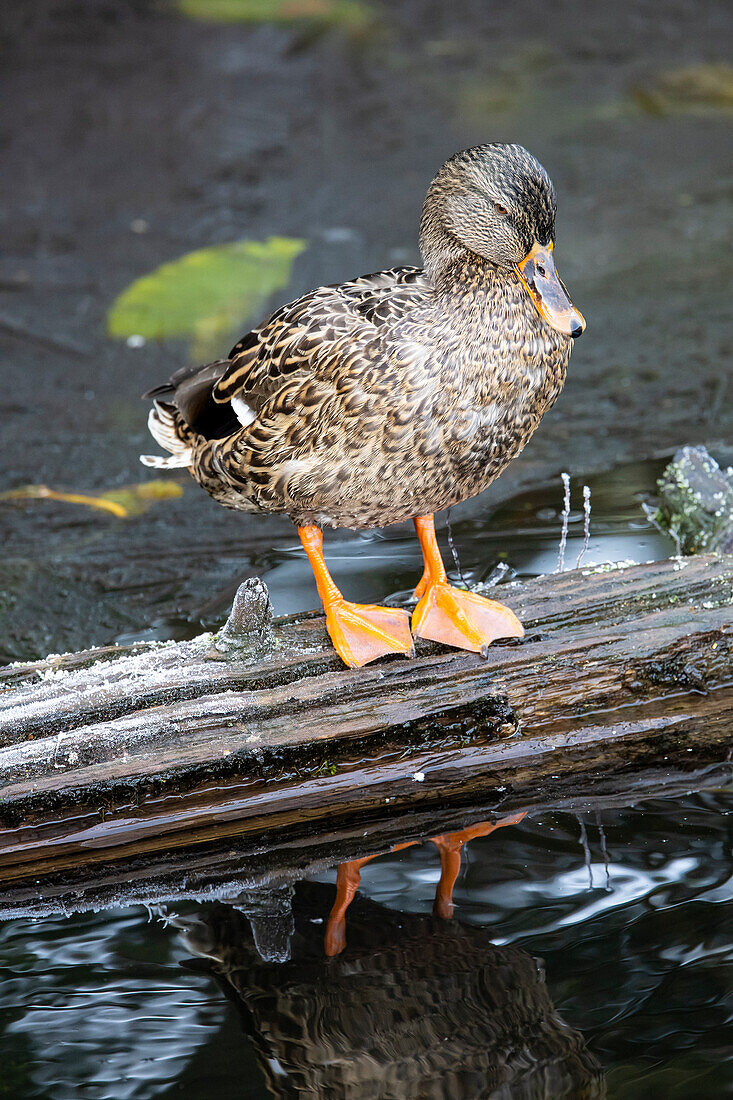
{"x":500,"y":209}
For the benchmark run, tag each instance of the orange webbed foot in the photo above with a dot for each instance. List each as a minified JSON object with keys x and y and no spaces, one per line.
{"x":450,"y":615}
{"x":360,"y":632}
{"x":363,"y":632}
{"x":463,"y":619}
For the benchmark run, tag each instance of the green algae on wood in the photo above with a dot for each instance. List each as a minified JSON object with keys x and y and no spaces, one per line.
{"x":696,"y":503}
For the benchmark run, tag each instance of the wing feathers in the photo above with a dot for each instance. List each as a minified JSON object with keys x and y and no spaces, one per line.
{"x":304,"y":333}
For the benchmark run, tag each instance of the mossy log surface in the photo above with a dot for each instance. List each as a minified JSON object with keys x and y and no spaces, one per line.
{"x":161,"y":747}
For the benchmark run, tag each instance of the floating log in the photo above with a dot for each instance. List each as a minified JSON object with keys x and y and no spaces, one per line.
{"x":262,"y":854}
{"x":169,"y":746}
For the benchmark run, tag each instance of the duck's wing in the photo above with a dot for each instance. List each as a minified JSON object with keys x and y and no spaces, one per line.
{"x":301,"y":338}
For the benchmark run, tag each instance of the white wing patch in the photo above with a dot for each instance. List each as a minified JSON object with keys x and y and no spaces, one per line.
{"x":242,"y":411}
{"x":175,"y":462}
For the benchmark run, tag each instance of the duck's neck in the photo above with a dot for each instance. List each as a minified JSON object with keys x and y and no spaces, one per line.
{"x":451,"y":267}
{"x":441,"y":251}
{"x":468,"y":277}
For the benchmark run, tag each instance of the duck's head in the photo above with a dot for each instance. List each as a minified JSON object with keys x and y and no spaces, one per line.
{"x":496,"y":201}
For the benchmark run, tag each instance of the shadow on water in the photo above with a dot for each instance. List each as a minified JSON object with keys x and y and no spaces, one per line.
{"x":586,"y":957}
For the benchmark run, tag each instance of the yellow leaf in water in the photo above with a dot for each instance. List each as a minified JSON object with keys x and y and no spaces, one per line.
{"x":130,"y":500}
{"x":42,"y":492}
{"x":136,"y":499}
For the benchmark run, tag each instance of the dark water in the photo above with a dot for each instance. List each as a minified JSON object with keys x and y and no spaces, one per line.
{"x":631,"y":999}
{"x":74,"y":576}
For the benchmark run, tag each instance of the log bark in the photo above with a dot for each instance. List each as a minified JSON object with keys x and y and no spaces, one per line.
{"x":167,"y":746}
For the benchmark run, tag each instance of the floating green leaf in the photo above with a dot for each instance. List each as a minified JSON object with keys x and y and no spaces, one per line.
{"x":695,"y":88}
{"x":208,"y":294}
{"x":350,"y":13}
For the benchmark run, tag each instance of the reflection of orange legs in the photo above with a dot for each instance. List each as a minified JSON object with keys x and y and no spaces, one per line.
{"x":449,"y":615}
{"x":449,"y":846}
{"x":360,"y":632}
{"x":348,"y":877}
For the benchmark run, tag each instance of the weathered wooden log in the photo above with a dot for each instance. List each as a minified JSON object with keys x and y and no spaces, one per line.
{"x":165,"y":746}
{"x":111,"y":719}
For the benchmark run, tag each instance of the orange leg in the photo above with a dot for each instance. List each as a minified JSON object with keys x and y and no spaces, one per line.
{"x":348,"y":877}
{"x":360,"y":632}
{"x":422,"y":584}
{"x":448,"y":615}
{"x":449,"y":845}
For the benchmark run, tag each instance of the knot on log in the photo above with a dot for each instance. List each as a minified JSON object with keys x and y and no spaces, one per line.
{"x":249,"y":625}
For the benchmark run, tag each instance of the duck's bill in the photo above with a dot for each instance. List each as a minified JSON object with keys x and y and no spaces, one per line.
{"x":545,"y":288}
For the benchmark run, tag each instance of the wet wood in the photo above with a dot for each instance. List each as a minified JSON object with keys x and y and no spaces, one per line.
{"x":99,"y":737}
{"x":263,"y":847}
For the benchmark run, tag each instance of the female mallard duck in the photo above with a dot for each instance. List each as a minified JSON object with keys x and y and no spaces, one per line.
{"x":394,"y":395}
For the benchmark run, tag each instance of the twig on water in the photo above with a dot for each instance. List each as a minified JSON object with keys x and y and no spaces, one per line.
{"x":565,"y":521}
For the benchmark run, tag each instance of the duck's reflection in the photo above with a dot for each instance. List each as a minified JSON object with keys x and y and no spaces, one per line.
{"x":449,"y":845}
{"x":414,"y":1008}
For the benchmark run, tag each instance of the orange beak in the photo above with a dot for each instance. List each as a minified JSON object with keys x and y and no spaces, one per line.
{"x":545,"y":288}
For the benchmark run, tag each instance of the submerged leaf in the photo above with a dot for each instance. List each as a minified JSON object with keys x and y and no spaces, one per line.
{"x":42,"y":492}
{"x":351,"y":13}
{"x":136,"y":499}
{"x":207,"y":294}
{"x":693,"y":88}
{"x":130,"y":500}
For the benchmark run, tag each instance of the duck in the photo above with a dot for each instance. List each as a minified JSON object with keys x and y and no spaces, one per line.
{"x":393,"y":396}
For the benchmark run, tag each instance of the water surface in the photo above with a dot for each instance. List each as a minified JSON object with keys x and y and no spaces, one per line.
{"x":632,"y":924}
